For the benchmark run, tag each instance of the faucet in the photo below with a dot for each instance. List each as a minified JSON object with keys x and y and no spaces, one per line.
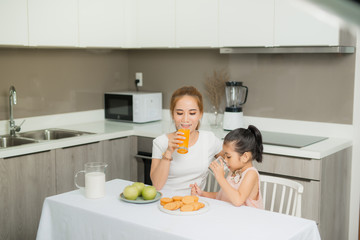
{"x":12,"y":100}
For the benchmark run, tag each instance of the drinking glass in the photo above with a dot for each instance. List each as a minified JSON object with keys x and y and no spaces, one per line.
{"x":219,"y":160}
{"x":183,"y":147}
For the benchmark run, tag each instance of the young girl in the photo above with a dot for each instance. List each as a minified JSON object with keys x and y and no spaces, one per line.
{"x":242,"y":185}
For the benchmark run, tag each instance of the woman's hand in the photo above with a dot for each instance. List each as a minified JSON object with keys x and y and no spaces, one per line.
{"x":174,"y":141}
{"x":195,"y":190}
{"x":217,"y":169}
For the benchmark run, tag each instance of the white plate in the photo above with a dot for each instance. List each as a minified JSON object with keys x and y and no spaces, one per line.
{"x":140,"y":200}
{"x":178,"y":212}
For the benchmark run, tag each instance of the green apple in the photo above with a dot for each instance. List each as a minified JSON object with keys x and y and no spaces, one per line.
{"x":131,"y":192}
{"x":149,"y":192}
{"x":140,"y":186}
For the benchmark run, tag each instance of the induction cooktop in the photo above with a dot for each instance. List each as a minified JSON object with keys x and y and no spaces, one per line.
{"x":289,"y":140}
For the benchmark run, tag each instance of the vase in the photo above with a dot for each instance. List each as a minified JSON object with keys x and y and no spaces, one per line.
{"x":215,"y":118}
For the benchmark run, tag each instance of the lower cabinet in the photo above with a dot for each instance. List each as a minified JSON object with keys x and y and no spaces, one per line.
{"x":25,"y":181}
{"x":326,"y":184}
{"x":119,"y":154}
{"x":72,"y":159}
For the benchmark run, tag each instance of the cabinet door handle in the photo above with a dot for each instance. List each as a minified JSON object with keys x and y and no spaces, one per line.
{"x":142,"y":156}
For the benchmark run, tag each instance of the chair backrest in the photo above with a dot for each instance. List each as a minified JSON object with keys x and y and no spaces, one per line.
{"x":211,"y":184}
{"x":282,"y":194}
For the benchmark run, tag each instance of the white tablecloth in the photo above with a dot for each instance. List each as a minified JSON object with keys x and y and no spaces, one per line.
{"x":72,"y":216}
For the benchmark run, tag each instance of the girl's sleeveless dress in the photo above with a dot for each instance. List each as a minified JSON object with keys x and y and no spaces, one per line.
{"x":257,"y":203}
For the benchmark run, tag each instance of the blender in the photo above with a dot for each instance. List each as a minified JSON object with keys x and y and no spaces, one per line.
{"x":236,"y":95}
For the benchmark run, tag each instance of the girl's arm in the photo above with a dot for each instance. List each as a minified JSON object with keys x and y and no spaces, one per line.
{"x":209,"y":194}
{"x":195,"y":190}
{"x":239,"y":196}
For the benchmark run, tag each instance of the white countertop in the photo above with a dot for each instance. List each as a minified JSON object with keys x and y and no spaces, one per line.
{"x":105,"y":129}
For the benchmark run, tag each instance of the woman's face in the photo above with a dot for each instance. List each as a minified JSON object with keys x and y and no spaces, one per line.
{"x":232,"y":158}
{"x":187,"y":113}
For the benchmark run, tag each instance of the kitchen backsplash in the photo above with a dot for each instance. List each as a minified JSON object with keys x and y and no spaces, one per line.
{"x":308,"y":87}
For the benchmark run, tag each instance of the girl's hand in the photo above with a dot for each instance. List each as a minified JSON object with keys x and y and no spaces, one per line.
{"x":218,"y":169}
{"x":174,"y":141}
{"x":195,"y":190}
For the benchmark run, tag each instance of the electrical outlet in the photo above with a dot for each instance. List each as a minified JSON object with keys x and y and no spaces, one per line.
{"x":139,"y":76}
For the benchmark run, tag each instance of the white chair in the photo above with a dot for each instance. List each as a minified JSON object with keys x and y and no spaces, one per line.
{"x":211,"y":184}
{"x":289,"y":193}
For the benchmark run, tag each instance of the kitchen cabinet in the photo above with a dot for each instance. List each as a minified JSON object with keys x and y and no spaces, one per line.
{"x":119,"y":154}
{"x":246,"y":23}
{"x":295,"y":26}
{"x":196,"y":23}
{"x":164,"y":24}
{"x":53,"y":23}
{"x":155,"y":23}
{"x":72,"y":159}
{"x":13,"y":22}
{"x":326,"y":184}
{"x":102,"y":23}
{"x":25,"y":181}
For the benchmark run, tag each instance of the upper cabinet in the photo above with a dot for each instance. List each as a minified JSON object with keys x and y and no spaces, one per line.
{"x":196,"y":23}
{"x":101,"y":23}
{"x":53,"y":23}
{"x":13,"y":22}
{"x":163,"y":24}
{"x":155,"y":23}
{"x":246,"y":23}
{"x":296,"y":27}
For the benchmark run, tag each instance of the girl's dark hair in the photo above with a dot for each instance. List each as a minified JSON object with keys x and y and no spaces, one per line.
{"x":246,"y":140}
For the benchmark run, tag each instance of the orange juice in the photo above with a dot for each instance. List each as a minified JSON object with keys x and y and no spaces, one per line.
{"x":183,"y":147}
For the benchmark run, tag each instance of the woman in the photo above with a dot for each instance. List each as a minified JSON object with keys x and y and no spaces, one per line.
{"x":171,"y":170}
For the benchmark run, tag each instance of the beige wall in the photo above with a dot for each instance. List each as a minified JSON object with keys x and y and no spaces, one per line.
{"x":312,"y":87}
{"x":51,"y":81}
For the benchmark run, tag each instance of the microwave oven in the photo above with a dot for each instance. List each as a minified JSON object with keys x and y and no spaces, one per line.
{"x":137,"y":107}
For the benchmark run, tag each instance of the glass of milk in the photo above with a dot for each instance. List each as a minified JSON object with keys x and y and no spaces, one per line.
{"x":94,"y":179}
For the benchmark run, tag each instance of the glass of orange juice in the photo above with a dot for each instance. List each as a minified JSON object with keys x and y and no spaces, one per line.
{"x":183,"y":147}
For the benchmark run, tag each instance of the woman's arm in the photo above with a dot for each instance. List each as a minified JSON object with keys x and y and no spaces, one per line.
{"x":222,"y":154}
{"x":159,"y":170}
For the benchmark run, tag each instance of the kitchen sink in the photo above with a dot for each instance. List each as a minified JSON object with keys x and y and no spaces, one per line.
{"x":10,"y":141}
{"x":52,"y":134}
{"x":37,"y":136}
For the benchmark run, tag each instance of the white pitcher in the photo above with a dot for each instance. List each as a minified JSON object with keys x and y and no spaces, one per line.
{"x":94,"y":179}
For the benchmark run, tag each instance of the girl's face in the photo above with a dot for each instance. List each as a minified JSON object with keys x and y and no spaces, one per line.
{"x":187,"y":113}
{"x":233,"y":159}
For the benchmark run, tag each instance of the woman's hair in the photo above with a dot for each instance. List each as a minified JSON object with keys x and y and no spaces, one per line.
{"x":186,"y":91}
{"x":246,"y":140}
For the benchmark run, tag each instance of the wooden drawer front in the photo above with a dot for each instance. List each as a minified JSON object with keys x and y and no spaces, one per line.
{"x":290,"y":166}
{"x":145,"y":144}
{"x":310,"y":200}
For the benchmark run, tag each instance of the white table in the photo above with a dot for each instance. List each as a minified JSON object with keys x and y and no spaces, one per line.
{"x":72,"y":216}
